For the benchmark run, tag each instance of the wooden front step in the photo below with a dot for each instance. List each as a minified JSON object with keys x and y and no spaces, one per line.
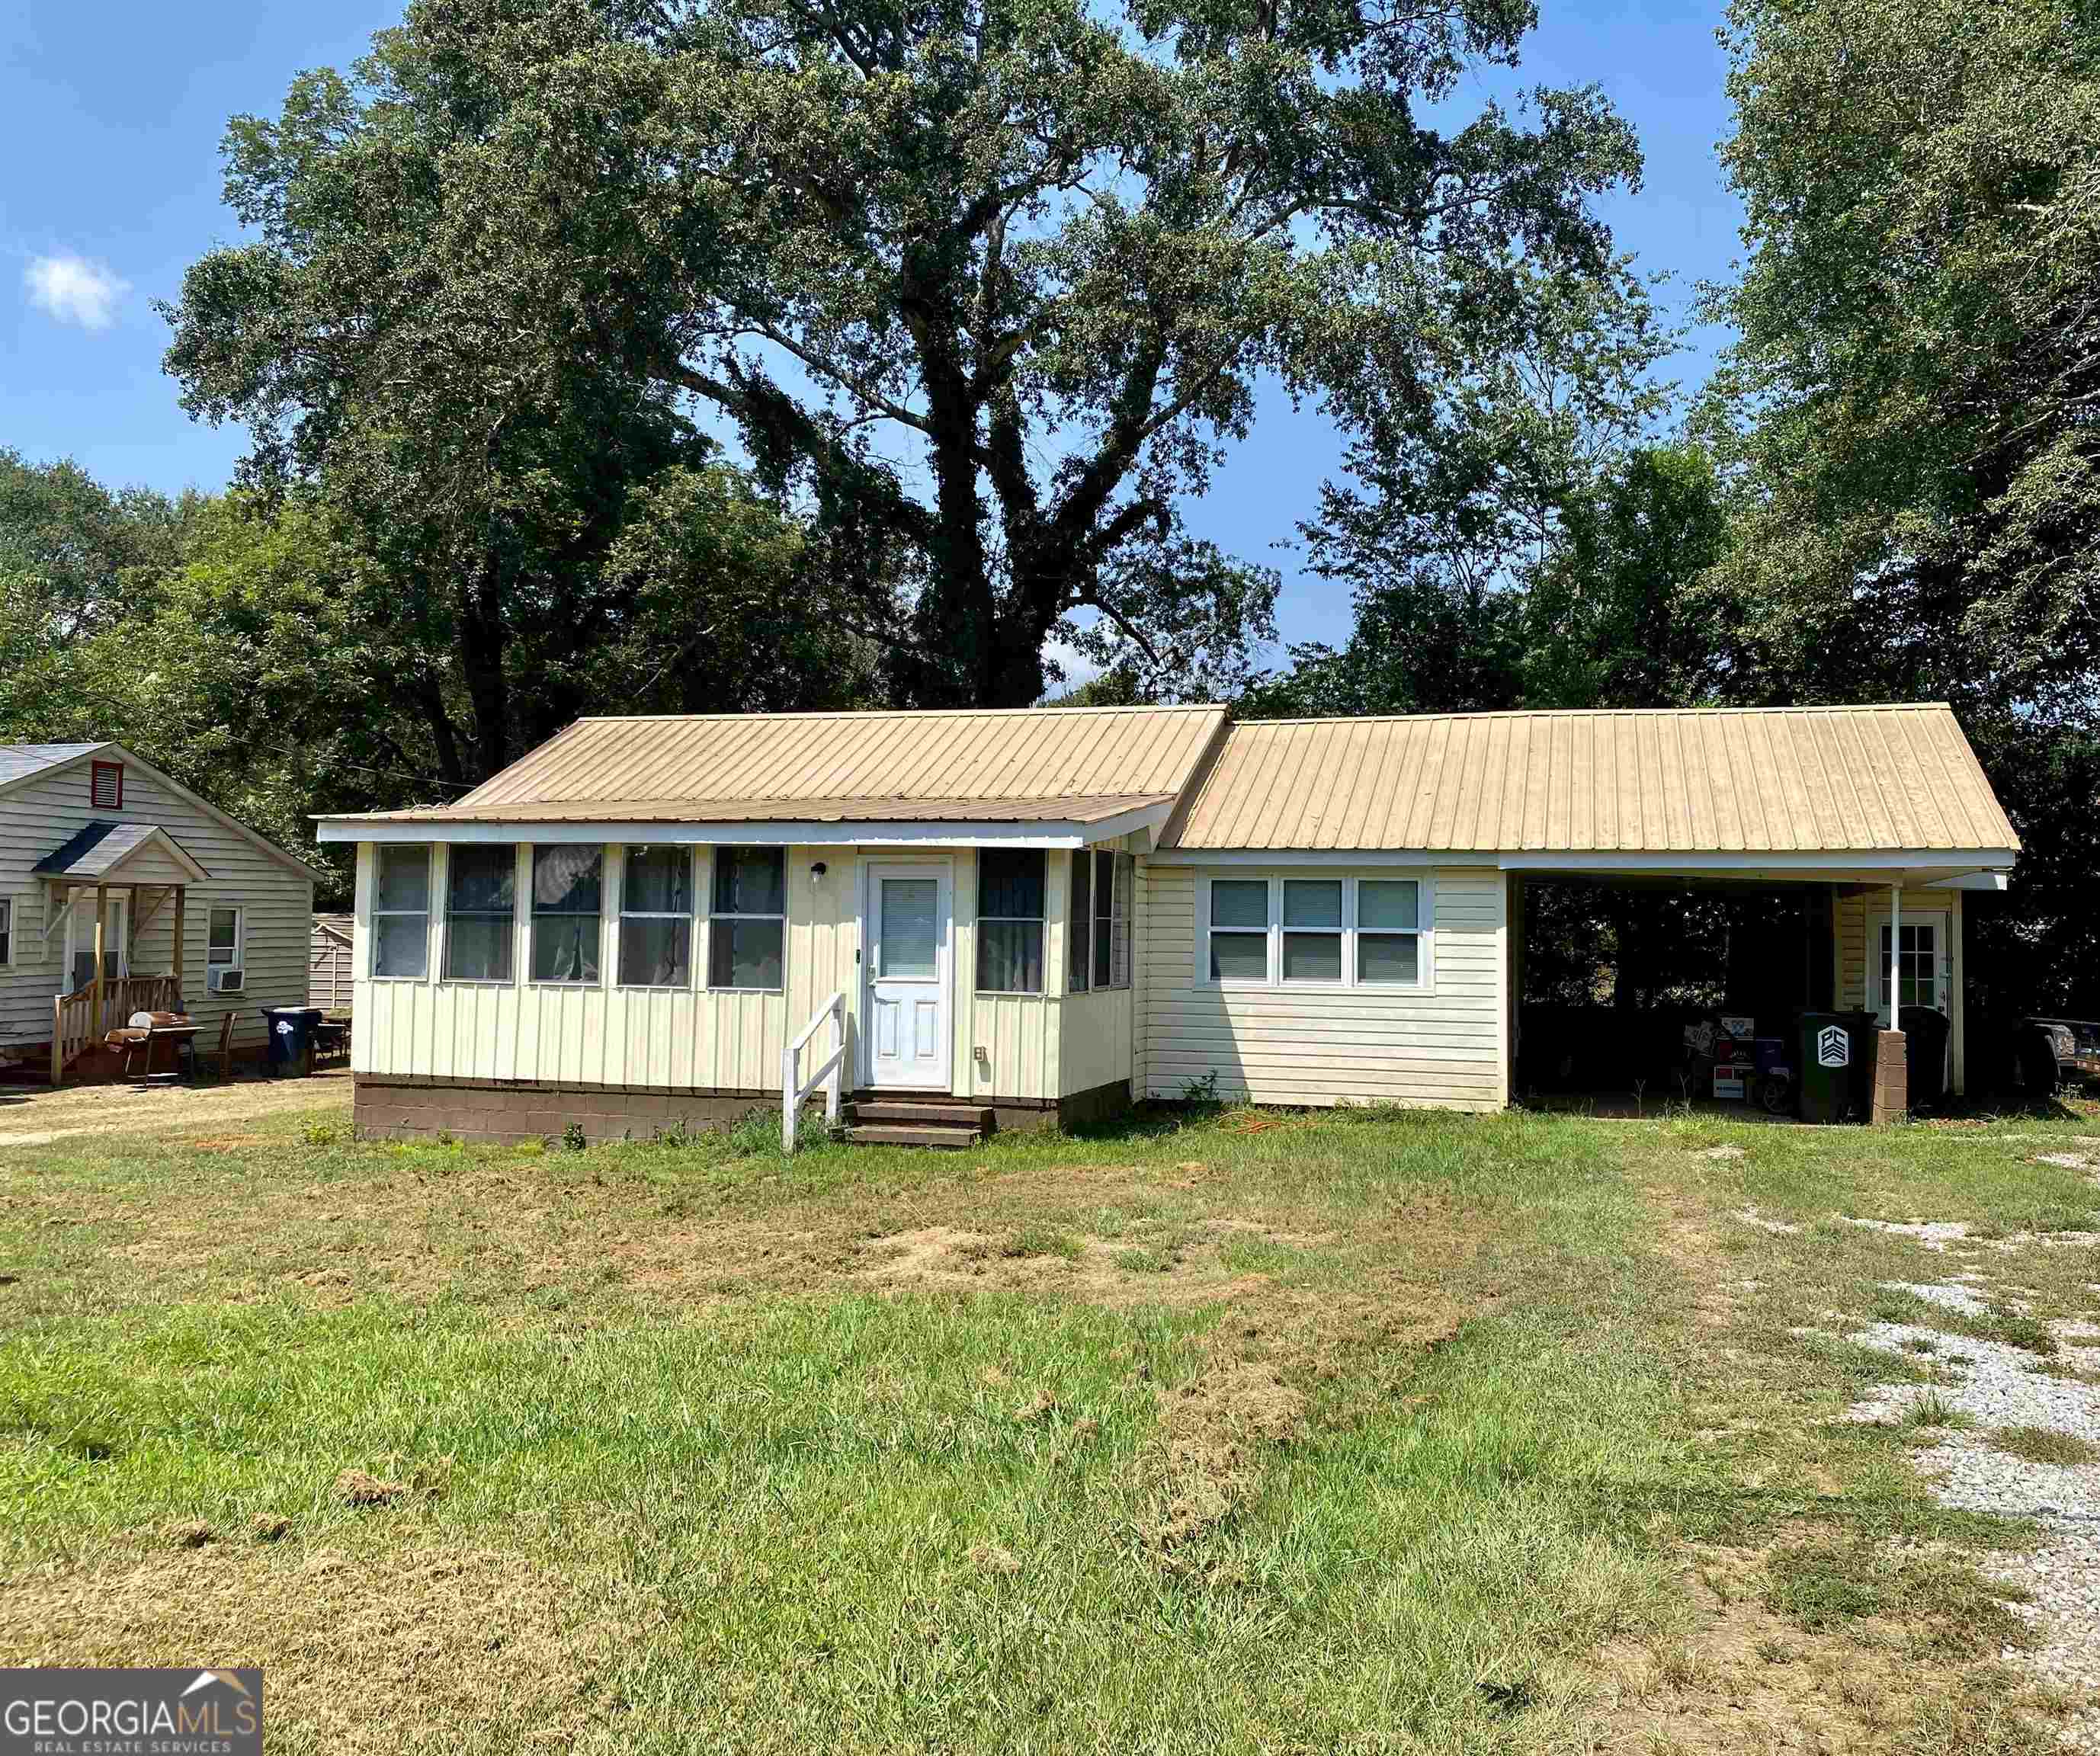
{"x":916,"y":1122}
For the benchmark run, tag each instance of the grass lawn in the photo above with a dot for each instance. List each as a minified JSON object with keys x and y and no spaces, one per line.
{"x":1361,"y":1433}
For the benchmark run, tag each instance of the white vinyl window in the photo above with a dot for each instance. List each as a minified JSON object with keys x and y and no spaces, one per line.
{"x":225,"y":932}
{"x":748,"y":928}
{"x":656,"y":918}
{"x":1315,"y":930}
{"x":1239,"y":929}
{"x":1312,"y":929}
{"x":1389,"y":932}
{"x":401,"y":914}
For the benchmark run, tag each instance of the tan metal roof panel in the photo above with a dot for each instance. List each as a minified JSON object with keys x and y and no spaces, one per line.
{"x":905,"y":762}
{"x":1698,"y":780}
{"x":1090,"y":808}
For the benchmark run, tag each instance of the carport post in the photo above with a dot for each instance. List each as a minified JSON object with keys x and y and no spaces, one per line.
{"x":1896,"y":953}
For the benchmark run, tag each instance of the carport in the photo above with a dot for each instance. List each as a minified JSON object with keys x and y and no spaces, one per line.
{"x":1836,"y":843}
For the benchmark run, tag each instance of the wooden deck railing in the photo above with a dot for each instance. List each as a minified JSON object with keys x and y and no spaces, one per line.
{"x":73,"y":1015}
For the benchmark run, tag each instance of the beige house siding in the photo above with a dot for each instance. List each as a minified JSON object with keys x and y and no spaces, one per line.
{"x":706,"y":1039}
{"x":276,"y":898}
{"x":1441,"y":1044}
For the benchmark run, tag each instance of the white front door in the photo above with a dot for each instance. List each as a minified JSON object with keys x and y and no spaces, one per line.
{"x":1923,"y":968}
{"x":904,"y":932}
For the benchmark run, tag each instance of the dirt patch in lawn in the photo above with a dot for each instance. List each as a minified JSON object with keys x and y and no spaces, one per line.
{"x":365,"y":1652}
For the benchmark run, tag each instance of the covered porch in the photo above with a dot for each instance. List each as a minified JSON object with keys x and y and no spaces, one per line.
{"x":1636,"y":982}
{"x":104,"y":886}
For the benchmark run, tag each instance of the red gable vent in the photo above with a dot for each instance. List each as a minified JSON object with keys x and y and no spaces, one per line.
{"x":105,"y":785}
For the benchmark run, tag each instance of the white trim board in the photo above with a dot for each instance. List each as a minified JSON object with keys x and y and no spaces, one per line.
{"x":1837,"y":866}
{"x":1048,"y":834}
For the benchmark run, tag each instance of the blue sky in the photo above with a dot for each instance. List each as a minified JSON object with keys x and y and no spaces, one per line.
{"x":110,"y":121}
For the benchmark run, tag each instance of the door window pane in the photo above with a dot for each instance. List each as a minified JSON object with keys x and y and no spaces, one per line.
{"x":911,"y":928}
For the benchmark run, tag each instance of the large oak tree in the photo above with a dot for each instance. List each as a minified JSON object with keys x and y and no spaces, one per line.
{"x":980,"y":286}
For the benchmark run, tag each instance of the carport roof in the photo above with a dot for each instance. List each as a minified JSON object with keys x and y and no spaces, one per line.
{"x":1676,"y":784}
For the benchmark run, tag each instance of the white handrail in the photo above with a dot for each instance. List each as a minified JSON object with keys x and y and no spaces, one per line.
{"x":792,"y":1090}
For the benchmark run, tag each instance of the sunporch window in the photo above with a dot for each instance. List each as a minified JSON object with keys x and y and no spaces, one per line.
{"x":656,"y":918}
{"x":1009,"y":936}
{"x":747,"y":931}
{"x":481,"y":913}
{"x":568,"y":894}
{"x":401,"y":914}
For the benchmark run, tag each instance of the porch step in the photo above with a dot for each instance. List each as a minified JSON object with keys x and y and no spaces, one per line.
{"x":915,"y":1122}
{"x":891,"y":1134}
{"x":937,"y":1111}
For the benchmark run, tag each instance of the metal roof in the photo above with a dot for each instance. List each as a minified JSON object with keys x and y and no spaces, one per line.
{"x":18,"y":761}
{"x":1011,"y":764}
{"x":101,"y":847}
{"x":1779,"y":780}
{"x":1088,"y":809}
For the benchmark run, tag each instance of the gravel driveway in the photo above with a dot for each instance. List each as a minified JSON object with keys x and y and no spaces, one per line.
{"x":1999,"y":1387}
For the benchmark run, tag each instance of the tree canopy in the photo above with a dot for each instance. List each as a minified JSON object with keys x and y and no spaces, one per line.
{"x":980,"y":285}
{"x":1907,"y":414}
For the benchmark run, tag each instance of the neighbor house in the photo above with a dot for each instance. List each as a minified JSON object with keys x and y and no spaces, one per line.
{"x":1027,"y":915}
{"x":110,"y":869}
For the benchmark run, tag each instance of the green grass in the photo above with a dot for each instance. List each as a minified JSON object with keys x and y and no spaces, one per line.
{"x":1369,"y":1431}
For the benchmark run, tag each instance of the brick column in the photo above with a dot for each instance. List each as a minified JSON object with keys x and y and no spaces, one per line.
{"x":1891,"y":1077}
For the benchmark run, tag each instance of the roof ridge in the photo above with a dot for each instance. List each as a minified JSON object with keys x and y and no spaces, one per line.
{"x":887,"y":713}
{"x":1571,"y":713}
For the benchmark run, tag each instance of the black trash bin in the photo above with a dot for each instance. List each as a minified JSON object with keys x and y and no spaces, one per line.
{"x":1925,"y":1031}
{"x":291,"y":1029}
{"x":1827,"y":1053}
{"x":1866,"y":1051}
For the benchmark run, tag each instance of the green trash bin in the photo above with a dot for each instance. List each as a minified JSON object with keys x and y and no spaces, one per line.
{"x":1828,"y":1052}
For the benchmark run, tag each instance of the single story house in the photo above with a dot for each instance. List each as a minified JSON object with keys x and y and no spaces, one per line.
{"x":109,"y":867}
{"x":1044,"y":912}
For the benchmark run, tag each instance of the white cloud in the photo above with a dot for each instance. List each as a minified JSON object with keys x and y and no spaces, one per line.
{"x":74,"y":290}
